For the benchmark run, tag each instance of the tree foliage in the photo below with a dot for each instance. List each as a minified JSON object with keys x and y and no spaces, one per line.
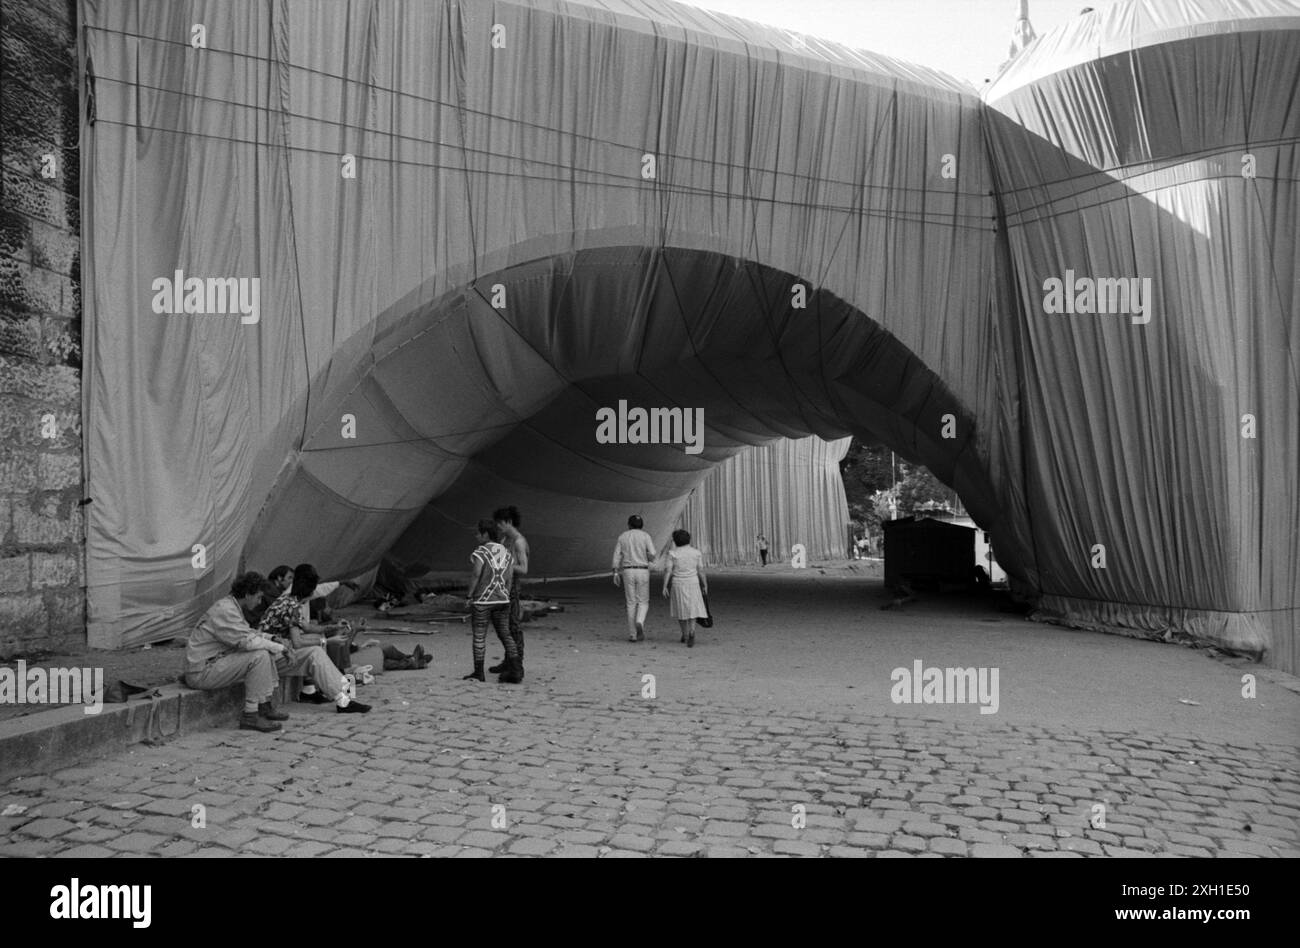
{"x":869,"y":471}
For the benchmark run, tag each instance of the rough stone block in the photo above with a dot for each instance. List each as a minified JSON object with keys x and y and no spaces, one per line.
{"x":18,"y":467}
{"x":22,"y":422}
{"x":20,"y":336}
{"x":46,"y":522}
{"x":31,"y":197}
{"x":33,"y":289}
{"x":55,"y":569}
{"x":21,"y":617}
{"x":58,"y":471}
{"x":67,"y":612}
{"x":56,"y":385}
{"x":52,"y":247}
{"x":15,"y":574}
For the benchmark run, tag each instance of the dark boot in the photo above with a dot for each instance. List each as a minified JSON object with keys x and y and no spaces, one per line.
{"x":513,"y":673}
{"x":476,"y":674}
{"x":499,"y":668}
{"x":269,"y":711}
{"x":252,"y":721}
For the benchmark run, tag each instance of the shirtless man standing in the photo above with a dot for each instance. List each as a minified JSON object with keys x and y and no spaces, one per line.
{"x":507,"y":519}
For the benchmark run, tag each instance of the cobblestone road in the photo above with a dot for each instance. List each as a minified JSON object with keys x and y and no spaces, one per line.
{"x":583,"y":778}
{"x":449,"y":768}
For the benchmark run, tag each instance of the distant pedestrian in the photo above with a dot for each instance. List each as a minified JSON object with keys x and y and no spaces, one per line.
{"x":507,"y":521}
{"x":688,"y":584}
{"x":762,"y":549}
{"x":633,"y":554}
{"x":489,"y":601}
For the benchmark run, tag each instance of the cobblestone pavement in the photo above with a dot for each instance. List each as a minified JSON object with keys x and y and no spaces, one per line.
{"x":444,"y":767}
{"x":580,"y":777}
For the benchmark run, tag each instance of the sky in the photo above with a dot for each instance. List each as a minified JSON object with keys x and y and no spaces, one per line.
{"x":967,"y":39}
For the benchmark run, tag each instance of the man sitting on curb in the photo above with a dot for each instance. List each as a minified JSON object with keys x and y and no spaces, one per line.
{"x":224,"y":650}
{"x":305,"y":655}
{"x":337,"y":637}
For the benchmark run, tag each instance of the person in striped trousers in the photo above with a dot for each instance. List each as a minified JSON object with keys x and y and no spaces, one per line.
{"x":489,"y":602}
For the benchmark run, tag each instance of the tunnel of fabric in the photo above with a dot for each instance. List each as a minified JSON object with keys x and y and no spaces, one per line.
{"x":473,"y":226}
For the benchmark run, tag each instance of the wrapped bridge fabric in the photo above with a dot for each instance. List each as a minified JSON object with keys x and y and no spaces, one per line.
{"x":1160,"y":141}
{"x":789,"y":491}
{"x":594,"y":204}
{"x":355,"y":274}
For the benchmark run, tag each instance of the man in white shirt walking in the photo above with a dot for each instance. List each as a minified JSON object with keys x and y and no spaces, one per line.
{"x":633,"y":554}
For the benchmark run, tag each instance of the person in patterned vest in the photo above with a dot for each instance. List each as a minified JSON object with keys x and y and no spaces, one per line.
{"x":489,"y":601}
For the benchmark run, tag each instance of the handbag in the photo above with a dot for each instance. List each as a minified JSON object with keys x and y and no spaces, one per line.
{"x":707,"y":621}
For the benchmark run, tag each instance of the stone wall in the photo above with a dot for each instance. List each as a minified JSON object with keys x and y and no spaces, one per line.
{"x":42,"y":594}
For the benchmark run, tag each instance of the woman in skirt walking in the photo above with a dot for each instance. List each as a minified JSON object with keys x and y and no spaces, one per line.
{"x":688,"y":584}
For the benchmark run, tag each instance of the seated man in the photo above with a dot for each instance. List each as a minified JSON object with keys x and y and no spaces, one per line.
{"x":337,"y":636}
{"x":306,"y":656}
{"x":224,"y":649}
{"x":282,"y":576}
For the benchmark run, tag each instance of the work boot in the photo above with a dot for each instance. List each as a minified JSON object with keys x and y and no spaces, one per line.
{"x":253,"y":721}
{"x":269,"y":711}
{"x":476,"y":674}
{"x":513,"y":673}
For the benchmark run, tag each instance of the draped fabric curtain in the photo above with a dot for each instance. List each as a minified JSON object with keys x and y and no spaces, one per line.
{"x":789,"y":491}
{"x":357,"y":273}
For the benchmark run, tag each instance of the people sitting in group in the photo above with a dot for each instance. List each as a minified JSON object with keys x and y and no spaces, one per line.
{"x":315,"y":611}
{"x":305,"y":654}
{"x":336,"y":637}
{"x":224,"y":650}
